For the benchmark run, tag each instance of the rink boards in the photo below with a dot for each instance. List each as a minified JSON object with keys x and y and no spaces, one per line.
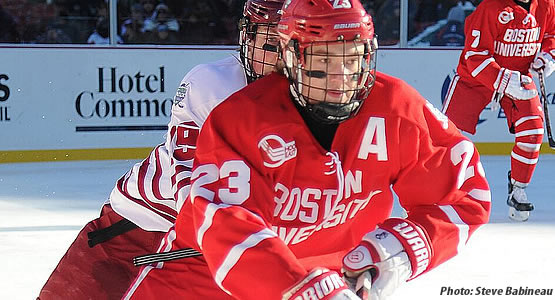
{"x":90,"y":103}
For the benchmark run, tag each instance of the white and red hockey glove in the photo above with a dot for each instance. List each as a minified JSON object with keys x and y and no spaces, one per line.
{"x":394,"y":253}
{"x":320,"y":283}
{"x":514,"y":85}
{"x":544,"y":61}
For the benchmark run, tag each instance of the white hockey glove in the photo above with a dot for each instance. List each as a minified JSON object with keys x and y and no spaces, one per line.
{"x":390,"y":255}
{"x":544,"y":61}
{"x":514,"y":85}
{"x":320,"y":283}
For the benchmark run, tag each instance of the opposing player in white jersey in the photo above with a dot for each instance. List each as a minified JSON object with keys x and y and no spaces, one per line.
{"x":141,"y":208}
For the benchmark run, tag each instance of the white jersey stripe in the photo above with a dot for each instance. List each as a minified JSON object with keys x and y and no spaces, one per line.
{"x":527,"y":146}
{"x":523,"y":159}
{"x":482,"y":66}
{"x":472,"y":53}
{"x":457,"y":221}
{"x":207,"y":222}
{"x":148,"y":217}
{"x":480,"y":195}
{"x":237,"y":251}
{"x":524,"y":119}
{"x":529,"y":132}
{"x":450,"y":92}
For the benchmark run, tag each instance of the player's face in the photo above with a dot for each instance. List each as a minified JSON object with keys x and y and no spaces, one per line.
{"x":332,"y":71}
{"x":264,"y":49}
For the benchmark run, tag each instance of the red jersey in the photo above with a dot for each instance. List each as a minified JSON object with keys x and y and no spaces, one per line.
{"x":502,"y":34}
{"x":268,"y":203}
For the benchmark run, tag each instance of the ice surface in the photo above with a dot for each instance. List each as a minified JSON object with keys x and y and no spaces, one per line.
{"x":44,"y":205}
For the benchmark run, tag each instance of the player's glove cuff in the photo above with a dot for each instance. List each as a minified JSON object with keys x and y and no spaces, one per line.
{"x":320,"y":283}
{"x":543,"y":62}
{"x":514,"y":85}
{"x":413,"y":241}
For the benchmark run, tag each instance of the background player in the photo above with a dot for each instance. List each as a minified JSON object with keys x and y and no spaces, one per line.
{"x":280,"y":195}
{"x":502,"y":39}
{"x":142,"y":206}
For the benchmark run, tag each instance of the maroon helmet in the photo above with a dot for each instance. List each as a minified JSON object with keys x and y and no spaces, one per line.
{"x":259,"y":18}
{"x":307,"y":23}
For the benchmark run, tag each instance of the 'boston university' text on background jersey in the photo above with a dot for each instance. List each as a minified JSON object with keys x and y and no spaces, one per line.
{"x":502,"y":34}
{"x":266,"y":198}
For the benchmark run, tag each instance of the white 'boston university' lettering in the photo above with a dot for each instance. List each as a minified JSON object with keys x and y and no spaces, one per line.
{"x":374,"y":129}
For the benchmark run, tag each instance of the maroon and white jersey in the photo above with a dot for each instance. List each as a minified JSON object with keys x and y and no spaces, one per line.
{"x":502,"y":34}
{"x":150,"y":193}
{"x":268,"y":203}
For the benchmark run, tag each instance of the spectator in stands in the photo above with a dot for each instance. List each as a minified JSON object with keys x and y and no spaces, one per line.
{"x":101,"y":34}
{"x":54,"y":35}
{"x":8,"y":28}
{"x":132,"y":29}
{"x":148,"y":8}
{"x":426,"y":14}
{"x":164,"y":36}
{"x":387,"y":22}
{"x":452,"y":33}
{"x":162,"y":15}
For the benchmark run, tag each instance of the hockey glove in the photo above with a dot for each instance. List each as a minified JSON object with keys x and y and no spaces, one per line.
{"x":320,"y":283}
{"x":543,"y":61}
{"x":514,"y":85}
{"x":390,"y":255}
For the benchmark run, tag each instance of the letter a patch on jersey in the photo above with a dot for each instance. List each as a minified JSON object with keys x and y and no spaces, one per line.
{"x":374,"y":140}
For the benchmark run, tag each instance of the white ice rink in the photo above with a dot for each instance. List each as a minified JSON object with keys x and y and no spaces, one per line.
{"x":44,"y":205}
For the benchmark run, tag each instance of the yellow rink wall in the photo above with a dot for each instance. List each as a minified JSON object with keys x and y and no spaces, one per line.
{"x":141,"y":153}
{"x":101,"y":103}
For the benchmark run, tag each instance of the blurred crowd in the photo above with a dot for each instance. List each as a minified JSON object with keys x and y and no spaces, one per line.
{"x":194,"y":22}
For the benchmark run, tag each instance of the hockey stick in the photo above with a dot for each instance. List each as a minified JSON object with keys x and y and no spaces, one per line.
{"x":545,"y":110}
{"x":364,"y":285}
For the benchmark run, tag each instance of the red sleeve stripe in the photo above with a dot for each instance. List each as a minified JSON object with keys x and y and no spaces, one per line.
{"x":183,"y":175}
{"x":164,"y":211}
{"x":148,"y":184}
{"x":456,"y":220}
{"x":237,"y":251}
{"x":141,"y":177}
{"x":182,"y":197}
{"x":156,"y":181}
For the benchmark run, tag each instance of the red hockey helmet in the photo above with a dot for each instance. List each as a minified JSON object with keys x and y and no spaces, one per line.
{"x":308,"y":23}
{"x":263,"y":11}
{"x":259,"y":21}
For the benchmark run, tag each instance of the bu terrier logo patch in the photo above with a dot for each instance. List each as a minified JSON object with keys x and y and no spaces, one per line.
{"x":505,"y":17}
{"x":275,"y":151}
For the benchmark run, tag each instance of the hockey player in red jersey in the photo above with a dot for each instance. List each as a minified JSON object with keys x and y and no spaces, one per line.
{"x":504,"y":39}
{"x":142,"y":206}
{"x":301,"y":185}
